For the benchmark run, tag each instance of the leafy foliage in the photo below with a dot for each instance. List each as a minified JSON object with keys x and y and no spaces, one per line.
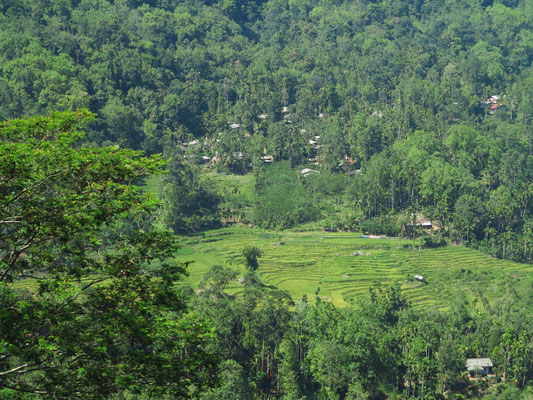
{"x":282,"y":200}
{"x":86,"y":313}
{"x":251,"y":254}
{"x":394,"y":95}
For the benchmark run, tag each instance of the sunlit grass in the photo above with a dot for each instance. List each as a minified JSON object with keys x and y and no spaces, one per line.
{"x":344,"y":265}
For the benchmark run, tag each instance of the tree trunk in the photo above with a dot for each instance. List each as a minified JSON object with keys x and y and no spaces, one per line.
{"x":263,"y":356}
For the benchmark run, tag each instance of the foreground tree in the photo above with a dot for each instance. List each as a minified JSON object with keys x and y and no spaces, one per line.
{"x":87,"y":301}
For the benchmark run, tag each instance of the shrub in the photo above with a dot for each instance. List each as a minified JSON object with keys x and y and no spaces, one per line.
{"x":381,"y":226}
{"x":432,"y":242}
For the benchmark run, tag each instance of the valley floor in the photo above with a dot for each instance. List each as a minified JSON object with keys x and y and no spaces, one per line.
{"x":344,"y":265}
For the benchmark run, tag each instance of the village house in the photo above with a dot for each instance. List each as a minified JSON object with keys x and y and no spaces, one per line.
{"x":497,"y":106}
{"x":419,"y":224}
{"x":479,"y":367}
{"x":422,"y":223}
{"x":494,"y":103}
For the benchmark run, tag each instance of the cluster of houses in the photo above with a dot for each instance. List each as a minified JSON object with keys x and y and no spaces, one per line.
{"x":494,"y":103}
{"x":313,"y":142}
{"x":286,"y":116}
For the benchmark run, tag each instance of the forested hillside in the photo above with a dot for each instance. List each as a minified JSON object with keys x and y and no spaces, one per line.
{"x":431,"y":101}
{"x":376,"y":117}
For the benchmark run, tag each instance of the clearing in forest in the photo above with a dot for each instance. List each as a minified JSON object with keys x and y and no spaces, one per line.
{"x":344,"y":265}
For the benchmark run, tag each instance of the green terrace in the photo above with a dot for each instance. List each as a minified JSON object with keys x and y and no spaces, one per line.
{"x":345,"y":265}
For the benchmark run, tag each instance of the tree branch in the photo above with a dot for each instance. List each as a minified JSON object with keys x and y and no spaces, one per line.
{"x":24,"y":390}
{"x":14,"y":370}
{"x":15,"y":254}
{"x":13,"y":220}
{"x":36,"y":185}
{"x":73,"y":297}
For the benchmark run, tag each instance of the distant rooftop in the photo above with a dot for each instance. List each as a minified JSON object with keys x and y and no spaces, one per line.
{"x":307,"y":171}
{"x":477,"y":363}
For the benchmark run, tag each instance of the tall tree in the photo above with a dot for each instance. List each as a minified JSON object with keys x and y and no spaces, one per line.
{"x":88,"y":305}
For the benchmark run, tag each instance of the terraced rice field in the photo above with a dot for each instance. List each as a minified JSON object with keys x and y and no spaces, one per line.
{"x":344,"y":265}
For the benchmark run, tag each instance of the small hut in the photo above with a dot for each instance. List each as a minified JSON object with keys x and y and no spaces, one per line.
{"x":478,"y":367}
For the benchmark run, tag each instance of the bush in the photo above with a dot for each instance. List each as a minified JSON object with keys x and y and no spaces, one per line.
{"x":327,"y":184}
{"x":337,"y":223}
{"x":432,"y":242}
{"x":381,"y":226}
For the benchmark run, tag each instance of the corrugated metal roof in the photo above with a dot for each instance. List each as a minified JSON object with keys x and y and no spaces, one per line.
{"x":474,"y":363}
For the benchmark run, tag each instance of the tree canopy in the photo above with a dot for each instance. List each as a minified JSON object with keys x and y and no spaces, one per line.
{"x":86,"y":285}
{"x":431,"y":102}
{"x":351,"y":115}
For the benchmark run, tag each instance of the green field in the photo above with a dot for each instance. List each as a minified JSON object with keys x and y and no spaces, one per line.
{"x":344,"y":265}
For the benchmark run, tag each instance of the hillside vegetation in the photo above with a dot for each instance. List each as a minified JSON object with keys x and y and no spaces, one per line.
{"x":203,"y":238}
{"x":344,"y":266}
{"x":430,"y":101}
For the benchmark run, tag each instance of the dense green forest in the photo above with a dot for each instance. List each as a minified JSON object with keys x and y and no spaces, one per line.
{"x":431,"y":103}
{"x":352,"y":115}
{"x":90,"y":309}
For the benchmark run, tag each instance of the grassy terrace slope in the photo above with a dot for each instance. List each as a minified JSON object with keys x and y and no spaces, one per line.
{"x":299,"y":262}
